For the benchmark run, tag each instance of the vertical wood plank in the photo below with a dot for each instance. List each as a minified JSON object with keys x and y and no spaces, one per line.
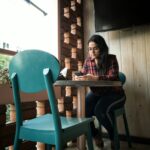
{"x":147,"y":39}
{"x":114,"y":44}
{"x":127,"y":68}
{"x":140,"y":81}
{"x":90,"y":28}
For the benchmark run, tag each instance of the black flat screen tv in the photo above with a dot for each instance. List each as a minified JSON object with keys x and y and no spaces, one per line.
{"x":119,"y":14}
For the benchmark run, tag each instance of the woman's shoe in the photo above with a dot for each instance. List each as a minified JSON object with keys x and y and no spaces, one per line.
{"x":98,"y":141}
{"x":112,"y":145}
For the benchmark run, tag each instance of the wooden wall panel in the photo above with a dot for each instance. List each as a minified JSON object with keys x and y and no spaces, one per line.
{"x":147,"y":46}
{"x":132,"y":47}
{"x":140,"y":80}
{"x":89,"y":29}
{"x":114,"y":45}
{"x":127,"y":68}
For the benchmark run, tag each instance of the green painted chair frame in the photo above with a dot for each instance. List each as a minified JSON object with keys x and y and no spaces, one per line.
{"x":33,"y":71}
{"x":117,"y":113}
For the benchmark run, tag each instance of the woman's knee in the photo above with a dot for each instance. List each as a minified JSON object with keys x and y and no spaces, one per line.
{"x":91,"y":99}
{"x":90,"y":103}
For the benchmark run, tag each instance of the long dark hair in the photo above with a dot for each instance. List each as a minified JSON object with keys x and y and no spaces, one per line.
{"x":101,"y":44}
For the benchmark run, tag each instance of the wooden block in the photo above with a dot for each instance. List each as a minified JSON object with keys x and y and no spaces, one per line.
{"x":61,"y":105}
{"x":2,"y":119}
{"x":68,"y":113}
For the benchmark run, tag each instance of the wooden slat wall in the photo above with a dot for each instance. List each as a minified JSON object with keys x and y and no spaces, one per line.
{"x":132,"y":47}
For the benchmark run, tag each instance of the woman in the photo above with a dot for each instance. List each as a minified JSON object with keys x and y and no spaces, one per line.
{"x":101,"y":101}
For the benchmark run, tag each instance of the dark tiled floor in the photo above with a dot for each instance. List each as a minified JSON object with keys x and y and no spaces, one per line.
{"x":123,"y":146}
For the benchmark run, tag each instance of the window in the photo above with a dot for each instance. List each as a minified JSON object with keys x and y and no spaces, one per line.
{"x":24,"y":27}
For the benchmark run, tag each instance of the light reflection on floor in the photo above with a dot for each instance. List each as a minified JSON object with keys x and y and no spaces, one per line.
{"x":123,"y":146}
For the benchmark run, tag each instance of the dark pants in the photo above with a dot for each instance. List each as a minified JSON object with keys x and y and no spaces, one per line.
{"x":102,"y":106}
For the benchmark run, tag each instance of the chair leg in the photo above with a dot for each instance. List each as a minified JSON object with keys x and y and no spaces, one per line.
{"x":17,"y":144}
{"x":127,"y":130}
{"x":48,"y":147}
{"x":100,"y":128}
{"x":116,"y":136}
{"x":89,"y":139}
{"x":59,"y":145}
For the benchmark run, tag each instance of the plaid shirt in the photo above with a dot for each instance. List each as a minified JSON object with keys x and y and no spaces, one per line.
{"x":111,"y":72}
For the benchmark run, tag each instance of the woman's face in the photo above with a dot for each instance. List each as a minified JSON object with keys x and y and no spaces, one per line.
{"x":94,"y":51}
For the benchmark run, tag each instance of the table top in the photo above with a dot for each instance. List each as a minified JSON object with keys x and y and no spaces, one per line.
{"x":93,"y":83}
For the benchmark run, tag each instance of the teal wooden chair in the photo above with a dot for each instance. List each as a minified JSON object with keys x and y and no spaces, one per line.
{"x":117,"y":113}
{"x":33,"y":71}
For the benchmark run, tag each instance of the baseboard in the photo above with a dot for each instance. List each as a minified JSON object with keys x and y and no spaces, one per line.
{"x":134,"y":139}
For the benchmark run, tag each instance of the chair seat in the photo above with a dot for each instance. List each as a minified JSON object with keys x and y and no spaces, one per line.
{"x":31,"y":129}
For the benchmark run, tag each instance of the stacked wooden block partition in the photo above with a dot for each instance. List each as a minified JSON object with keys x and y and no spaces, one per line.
{"x":71,"y":50}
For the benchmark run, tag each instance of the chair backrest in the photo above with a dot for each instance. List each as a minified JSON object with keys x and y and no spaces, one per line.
{"x":33,"y":71}
{"x":29,"y":65}
{"x":122,"y":77}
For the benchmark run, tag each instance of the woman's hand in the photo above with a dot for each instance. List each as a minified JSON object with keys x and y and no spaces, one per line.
{"x":78,"y":78}
{"x":86,"y":77}
{"x":91,"y":77}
